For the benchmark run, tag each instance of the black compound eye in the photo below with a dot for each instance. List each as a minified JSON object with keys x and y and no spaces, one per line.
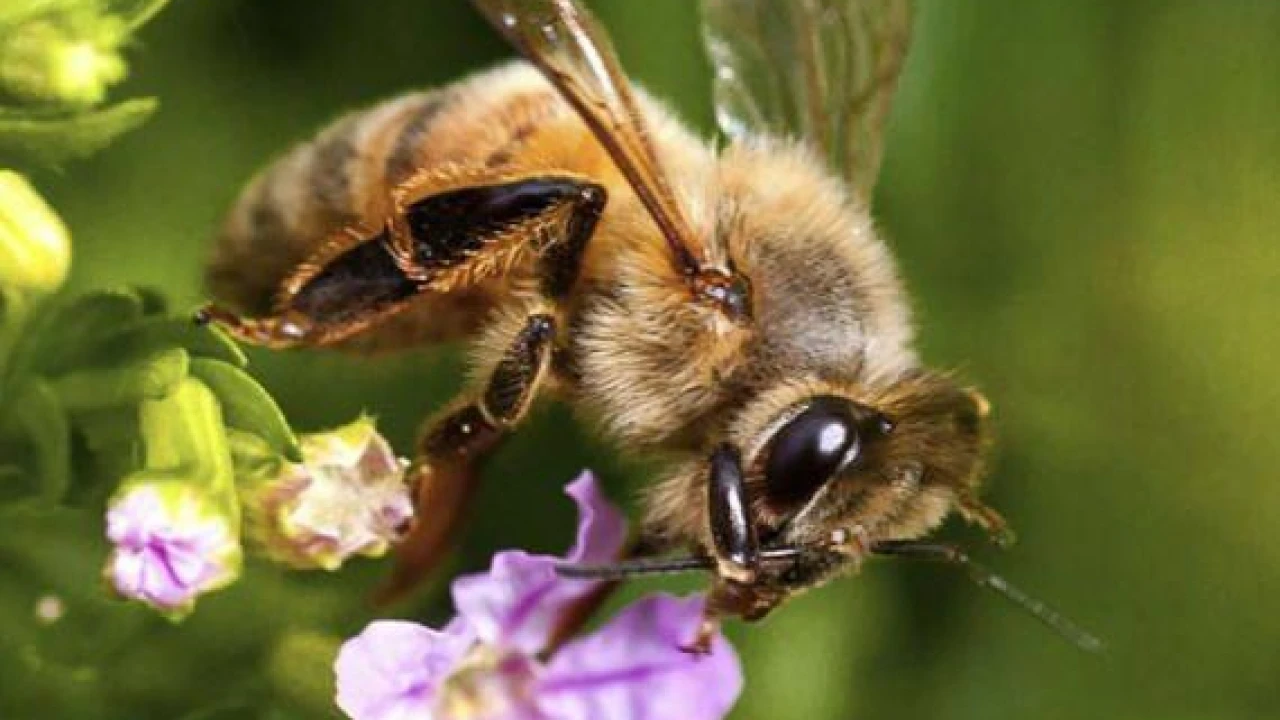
{"x":811,"y":448}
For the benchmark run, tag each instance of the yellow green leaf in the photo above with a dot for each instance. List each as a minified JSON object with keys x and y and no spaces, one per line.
{"x":246,"y":406}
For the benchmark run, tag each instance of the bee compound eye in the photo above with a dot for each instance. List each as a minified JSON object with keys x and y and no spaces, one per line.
{"x":811,"y":448}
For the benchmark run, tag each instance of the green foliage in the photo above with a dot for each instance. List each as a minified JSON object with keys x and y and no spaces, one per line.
{"x":37,"y":414}
{"x":58,"y":58}
{"x":89,"y":360}
{"x":54,"y":138}
{"x":247,"y":407}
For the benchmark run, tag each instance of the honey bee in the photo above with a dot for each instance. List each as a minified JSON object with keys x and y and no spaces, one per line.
{"x":731,"y":309}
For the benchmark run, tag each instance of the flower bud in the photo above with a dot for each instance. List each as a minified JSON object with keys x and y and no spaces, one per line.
{"x":62,"y":63}
{"x":347,"y":497}
{"x":35,"y":249}
{"x":172,"y":543}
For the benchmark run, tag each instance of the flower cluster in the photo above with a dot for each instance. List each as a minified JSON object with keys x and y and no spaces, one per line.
{"x":493,"y":662}
{"x":176,"y":534}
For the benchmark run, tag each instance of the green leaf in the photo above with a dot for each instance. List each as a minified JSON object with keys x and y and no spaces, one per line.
{"x":38,"y":415}
{"x":246,"y":406}
{"x":98,"y":389}
{"x":152,"y":335}
{"x":253,"y":457}
{"x":55,"y":140}
{"x":133,"y":13}
{"x":14,"y":316}
{"x":63,"y":332}
{"x":109,"y":429}
{"x":136,"y":13}
{"x":153,"y":300}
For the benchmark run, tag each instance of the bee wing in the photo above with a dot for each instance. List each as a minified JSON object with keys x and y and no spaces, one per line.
{"x":566,"y":43}
{"x":821,"y":70}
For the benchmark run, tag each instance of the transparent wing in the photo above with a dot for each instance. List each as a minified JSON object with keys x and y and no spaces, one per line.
{"x":564,"y":41}
{"x":822,"y":70}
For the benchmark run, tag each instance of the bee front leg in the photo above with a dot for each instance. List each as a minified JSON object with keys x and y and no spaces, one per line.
{"x":444,"y":474}
{"x":730,"y":599}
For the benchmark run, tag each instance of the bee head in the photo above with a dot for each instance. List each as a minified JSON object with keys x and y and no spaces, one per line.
{"x":840,"y":467}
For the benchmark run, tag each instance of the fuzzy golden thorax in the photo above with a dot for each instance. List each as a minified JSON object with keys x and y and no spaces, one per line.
{"x":658,"y":372}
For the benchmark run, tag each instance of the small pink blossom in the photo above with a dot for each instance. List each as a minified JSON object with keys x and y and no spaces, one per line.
{"x":170,"y":546}
{"x":489,"y":662}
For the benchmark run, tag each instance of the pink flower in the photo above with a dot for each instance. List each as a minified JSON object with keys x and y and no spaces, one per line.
{"x":171,"y":546}
{"x":488,"y":664}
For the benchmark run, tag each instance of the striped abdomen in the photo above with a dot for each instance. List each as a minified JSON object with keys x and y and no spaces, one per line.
{"x":344,"y":179}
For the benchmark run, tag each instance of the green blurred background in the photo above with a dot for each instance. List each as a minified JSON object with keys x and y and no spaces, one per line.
{"x":1085,"y":199}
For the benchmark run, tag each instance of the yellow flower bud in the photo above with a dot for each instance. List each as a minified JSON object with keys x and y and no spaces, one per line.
{"x":47,"y":62}
{"x":35,"y":248}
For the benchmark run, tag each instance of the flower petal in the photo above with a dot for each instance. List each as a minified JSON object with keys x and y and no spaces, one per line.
{"x":518,"y":602}
{"x":170,"y":546}
{"x":393,"y":669}
{"x":127,"y":518}
{"x":632,"y":668}
{"x":602,"y":529}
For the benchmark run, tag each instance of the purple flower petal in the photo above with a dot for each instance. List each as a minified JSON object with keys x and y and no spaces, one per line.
{"x":393,"y":669}
{"x":167,"y":549}
{"x":633,"y":669}
{"x":486,"y":663}
{"x":517,"y":603}
{"x":602,"y":529}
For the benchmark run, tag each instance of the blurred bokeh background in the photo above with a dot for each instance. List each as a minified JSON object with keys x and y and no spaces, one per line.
{"x":1085,"y":200}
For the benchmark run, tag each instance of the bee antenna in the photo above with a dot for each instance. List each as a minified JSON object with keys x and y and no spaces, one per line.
{"x":1040,"y":610}
{"x":638,"y":567}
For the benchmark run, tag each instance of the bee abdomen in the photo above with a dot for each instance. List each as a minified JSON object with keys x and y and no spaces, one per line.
{"x":341,"y":179}
{"x":344,"y":181}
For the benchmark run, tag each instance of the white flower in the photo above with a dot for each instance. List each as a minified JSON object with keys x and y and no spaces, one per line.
{"x":347,"y":497}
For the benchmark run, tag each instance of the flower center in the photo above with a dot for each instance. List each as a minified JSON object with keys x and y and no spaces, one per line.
{"x":487,"y":684}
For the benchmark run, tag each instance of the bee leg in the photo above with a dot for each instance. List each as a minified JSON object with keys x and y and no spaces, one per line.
{"x":351,"y":282}
{"x":984,"y":516}
{"x":445,"y":473}
{"x":729,"y":598}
